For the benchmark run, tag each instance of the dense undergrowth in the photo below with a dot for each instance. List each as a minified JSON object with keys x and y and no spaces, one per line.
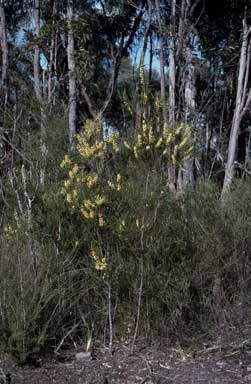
{"x":187,"y":257}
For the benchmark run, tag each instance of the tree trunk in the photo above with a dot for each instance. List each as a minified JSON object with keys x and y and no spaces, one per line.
{"x":172,"y":81}
{"x":172,"y":69}
{"x":51,"y":54}
{"x":118,"y":51}
{"x":38,"y":92}
{"x":4,"y":47}
{"x":190,"y":93}
{"x":242,"y":102}
{"x":72,"y":81}
{"x":162,"y":63}
{"x":36,"y":64}
{"x":141,"y":88}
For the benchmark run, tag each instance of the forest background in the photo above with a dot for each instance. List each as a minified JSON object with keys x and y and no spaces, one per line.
{"x":124,"y":170}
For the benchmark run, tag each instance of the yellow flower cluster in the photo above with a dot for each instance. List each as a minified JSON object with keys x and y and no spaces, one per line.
{"x":118,"y":179}
{"x":117,"y":185}
{"x":113,"y":140}
{"x":100,"y":262}
{"x":90,"y":143}
{"x":145,"y":141}
{"x":71,"y":195}
{"x":91,"y":180}
{"x":87,"y":214}
{"x":180,"y":147}
{"x":89,"y":209}
{"x":88,"y":150}
{"x":127,"y":146}
{"x":101,"y":220}
{"x":93,"y":128}
{"x":100,"y":200}
{"x":65,"y":162}
{"x":171,"y":142}
{"x":67,"y":183}
{"x":73,"y":172}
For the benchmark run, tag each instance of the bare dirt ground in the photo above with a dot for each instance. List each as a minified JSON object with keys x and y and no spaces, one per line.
{"x":155,"y":364}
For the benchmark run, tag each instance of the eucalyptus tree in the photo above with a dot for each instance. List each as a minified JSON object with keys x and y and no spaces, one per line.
{"x":4,"y":49}
{"x":72,"y":75}
{"x":113,"y":27}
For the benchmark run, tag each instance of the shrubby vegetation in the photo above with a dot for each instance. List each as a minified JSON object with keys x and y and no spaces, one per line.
{"x":107,"y":231}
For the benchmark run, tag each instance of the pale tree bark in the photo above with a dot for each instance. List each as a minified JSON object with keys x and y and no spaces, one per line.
{"x":29,"y":202}
{"x":72,"y":114}
{"x":242,"y":103}
{"x":4,"y":49}
{"x":162,"y":62}
{"x":172,"y":84}
{"x":38,"y":91}
{"x":36,"y":64}
{"x":172,"y":69}
{"x":190,"y":94}
{"x":141,"y":68}
{"x":172,"y":78}
{"x":184,"y":55}
{"x":181,"y":29}
{"x":52,"y":52}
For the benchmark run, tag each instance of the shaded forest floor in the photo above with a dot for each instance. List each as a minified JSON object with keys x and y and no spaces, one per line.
{"x":157,"y":364}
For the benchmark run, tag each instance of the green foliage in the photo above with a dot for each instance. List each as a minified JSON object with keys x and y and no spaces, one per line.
{"x":114,"y":216}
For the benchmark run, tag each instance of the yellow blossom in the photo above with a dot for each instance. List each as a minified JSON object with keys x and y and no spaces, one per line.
{"x":67,"y":183}
{"x":110,"y":184}
{"x":178,"y":129}
{"x":151,"y":136}
{"x":94,"y":254}
{"x":88,"y":204}
{"x":169,"y":138}
{"x":101,"y":264}
{"x":135,"y":152}
{"x":91,"y":180}
{"x":144,"y":126}
{"x":127,"y":145}
{"x":91,"y":214}
{"x":140,"y":142}
{"x":68,"y":198}
{"x":100,"y":200}
{"x":101,"y":220}
{"x":65,"y":162}
{"x":137,"y":223}
{"x":99,"y":144}
{"x":159,"y":142}
{"x":85,"y":214}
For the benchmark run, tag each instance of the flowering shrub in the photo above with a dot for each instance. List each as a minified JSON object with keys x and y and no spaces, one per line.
{"x":104,"y":177}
